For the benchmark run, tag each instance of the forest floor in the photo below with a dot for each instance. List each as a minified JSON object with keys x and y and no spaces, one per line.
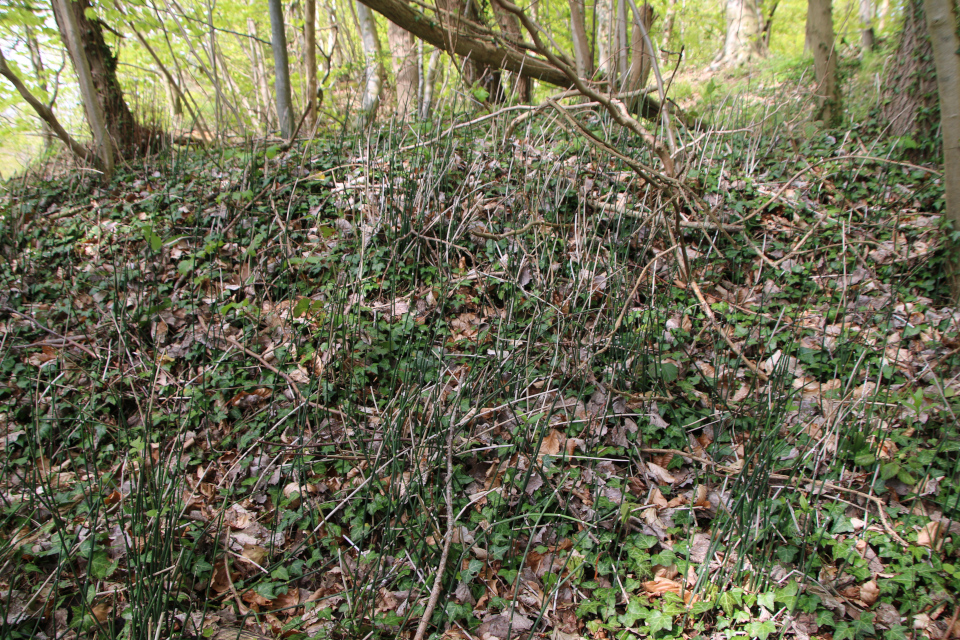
{"x":254,"y":393}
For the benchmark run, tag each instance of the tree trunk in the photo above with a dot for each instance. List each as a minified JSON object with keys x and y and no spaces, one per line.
{"x":37,"y":61}
{"x":510,"y":25}
{"x":910,"y":94}
{"x":403,"y":47}
{"x":622,"y":43}
{"x":581,"y":45}
{"x":942,"y":27}
{"x":743,"y":38}
{"x":668,"y":21}
{"x":641,"y":61}
{"x":867,"y":38}
{"x":74,"y":39}
{"x":429,"y":82}
{"x":766,"y":29}
{"x":820,"y":34}
{"x":125,"y":133}
{"x":268,"y":112}
{"x":882,"y":13}
{"x":605,"y":49}
{"x":278,"y":40}
{"x":373,"y":82}
{"x":310,"y":58}
{"x":481,"y":49}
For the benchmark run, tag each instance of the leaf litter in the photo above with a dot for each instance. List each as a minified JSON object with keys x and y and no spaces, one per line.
{"x":239,"y":401}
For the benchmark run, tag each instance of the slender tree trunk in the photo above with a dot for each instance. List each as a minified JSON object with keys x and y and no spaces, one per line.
{"x":37,"y":61}
{"x":581,"y":44}
{"x":212,"y":59}
{"x":766,"y":28}
{"x":820,"y":34}
{"x":429,"y":83}
{"x":310,"y":58}
{"x":178,"y":99}
{"x":403,"y":47}
{"x":278,"y":40}
{"x":263,"y":83}
{"x":743,"y":38}
{"x":124,"y":132}
{"x":510,"y":25}
{"x":867,"y":38}
{"x":622,"y":43}
{"x":74,"y":39}
{"x":605,"y":49}
{"x":882,"y":13}
{"x":942,"y":27}
{"x":421,"y":64}
{"x":373,"y":82}
{"x":641,"y":61}
{"x":668,"y":21}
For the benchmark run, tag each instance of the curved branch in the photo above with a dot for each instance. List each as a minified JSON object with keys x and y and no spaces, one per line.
{"x":484,"y":49}
{"x":47,"y":115}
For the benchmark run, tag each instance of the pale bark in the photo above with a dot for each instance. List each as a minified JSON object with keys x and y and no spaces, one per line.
{"x":941,"y":25}
{"x":668,"y":22}
{"x":882,"y":13}
{"x":820,"y":34}
{"x":70,"y":31}
{"x":429,"y":83}
{"x":622,"y":42}
{"x":373,"y":82}
{"x":310,"y":58}
{"x":212,"y":53}
{"x":582,"y":54}
{"x":641,"y":61}
{"x":605,"y":57}
{"x":403,"y":48}
{"x":278,"y":40}
{"x":743,"y":38}
{"x":867,"y":38}
{"x":268,"y":111}
{"x":37,"y":61}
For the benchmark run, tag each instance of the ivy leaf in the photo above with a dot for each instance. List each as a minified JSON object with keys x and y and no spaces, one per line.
{"x":658,"y":621}
{"x":635,"y":610}
{"x":761,"y":629}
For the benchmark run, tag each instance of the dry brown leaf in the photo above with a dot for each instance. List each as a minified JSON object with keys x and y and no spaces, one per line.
{"x":552,"y":444}
{"x":930,"y":536}
{"x":101,"y":611}
{"x":869,"y":592}
{"x":661,"y":475}
{"x":658,"y":586}
{"x":656,"y":498}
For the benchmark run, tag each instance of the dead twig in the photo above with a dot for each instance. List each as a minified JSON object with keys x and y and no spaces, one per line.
{"x":447,"y":540}
{"x":253,"y":354}
{"x":796,"y":480}
{"x":39,"y":324}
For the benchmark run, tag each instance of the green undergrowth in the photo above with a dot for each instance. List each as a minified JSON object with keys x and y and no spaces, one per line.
{"x":228,"y":379}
